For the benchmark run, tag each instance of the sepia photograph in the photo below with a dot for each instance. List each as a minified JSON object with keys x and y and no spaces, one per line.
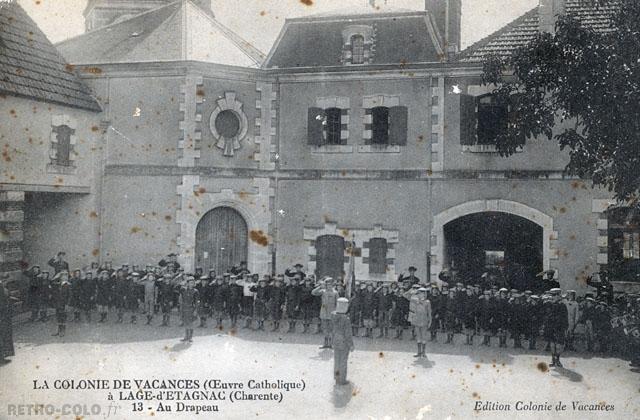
{"x":319,"y":209}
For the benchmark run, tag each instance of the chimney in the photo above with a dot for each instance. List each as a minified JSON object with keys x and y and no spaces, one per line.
{"x":549,"y":11}
{"x":447,"y":15}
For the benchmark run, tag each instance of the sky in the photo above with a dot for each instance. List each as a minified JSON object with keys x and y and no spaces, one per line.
{"x":260,"y":21}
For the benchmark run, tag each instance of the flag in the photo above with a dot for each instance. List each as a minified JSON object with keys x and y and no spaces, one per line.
{"x":350,"y":280}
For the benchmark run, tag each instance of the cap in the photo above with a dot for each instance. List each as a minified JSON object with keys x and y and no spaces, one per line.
{"x":555,"y":291}
{"x":204,"y":277}
{"x":342,"y":305}
{"x":412,"y":268}
{"x":298,"y":265}
{"x":503,"y":290}
{"x":422,"y":289}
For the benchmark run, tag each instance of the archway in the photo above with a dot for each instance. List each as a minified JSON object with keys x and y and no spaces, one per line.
{"x":438,"y":242}
{"x":221,"y":240}
{"x":502,"y":244}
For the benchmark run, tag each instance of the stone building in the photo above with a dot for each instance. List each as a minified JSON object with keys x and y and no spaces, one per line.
{"x":51,"y":151}
{"x":362,"y":128}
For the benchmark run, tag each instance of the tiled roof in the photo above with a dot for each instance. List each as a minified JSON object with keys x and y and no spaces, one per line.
{"x":316,"y":41}
{"x":30,"y":66}
{"x":522,"y":30}
{"x":175,"y":32}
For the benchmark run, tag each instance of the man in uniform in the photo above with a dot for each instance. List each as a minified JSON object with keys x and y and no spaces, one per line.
{"x":328,"y":297}
{"x":502,"y":316}
{"x":470,"y":315}
{"x":296,"y":272}
{"x":557,"y":322}
{"x":341,"y":338}
{"x":58,"y":263}
{"x":411,"y":277}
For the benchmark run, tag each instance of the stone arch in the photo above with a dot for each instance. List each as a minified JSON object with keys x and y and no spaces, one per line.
{"x":549,"y":236}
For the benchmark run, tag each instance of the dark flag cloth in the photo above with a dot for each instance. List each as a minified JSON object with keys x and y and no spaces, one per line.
{"x":350,"y":280}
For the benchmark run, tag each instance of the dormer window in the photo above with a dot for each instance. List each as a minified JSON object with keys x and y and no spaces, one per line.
{"x":358,"y":45}
{"x":357,"y":49}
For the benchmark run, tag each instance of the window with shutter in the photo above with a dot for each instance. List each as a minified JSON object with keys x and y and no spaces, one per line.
{"x":316,"y":120}
{"x":330,"y":256}
{"x":492,"y":117}
{"x":623,"y":224}
{"x":377,"y":256}
{"x":380,"y":125}
{"x":398,"y":121}
{"x":63,"y":145}
{"x":468,"y":119}
{"x":333,"y":126}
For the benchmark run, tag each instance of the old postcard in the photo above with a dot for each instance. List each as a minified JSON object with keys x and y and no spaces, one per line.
{"x":319,"y":209}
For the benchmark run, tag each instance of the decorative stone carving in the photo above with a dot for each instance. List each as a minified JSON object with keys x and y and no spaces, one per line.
{"x":228,"y":124}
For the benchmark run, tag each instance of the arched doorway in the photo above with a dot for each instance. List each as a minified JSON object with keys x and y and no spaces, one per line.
{"x":440,"y":220}
{"x":505,"y":245}
{"x":221,"y":240}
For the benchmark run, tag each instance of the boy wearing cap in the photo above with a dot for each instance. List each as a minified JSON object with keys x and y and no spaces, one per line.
{"x":165,"y":298}
{"x":328,"y":297}
{"x":103,"y":294}
{"x":262,"y":298}
{"x":307,"y":303}
{"x":119,"y":294}
{"x":296,"y":272}
{"x":234,"y":300}
{"x":421,"y":319}
{"x":342,"y":340}
{"x":572,"y":311}
{"x":189,"y":298}
{"x":276,"y":301}
{"x":292,"y":302}
{"x":368,"y":309}
{"x":247,"y":281}
{"x":76,"y":294}
{"x":203,"y":307}
{"x":58,"y":263}
{"x":384,"y":307}
{"x":557,"y":322}
{"x":411,"y":277}
{"x":149,"y":295}
{"x":218,"y":296}
{"x":60,"y":295}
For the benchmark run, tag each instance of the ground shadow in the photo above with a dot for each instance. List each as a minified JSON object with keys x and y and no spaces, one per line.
{"x":182,"y":345}
{"x":423,"y":362}
{"x":572,"y":375}
{"x":324,"y":355}
{"x":341,"y":395}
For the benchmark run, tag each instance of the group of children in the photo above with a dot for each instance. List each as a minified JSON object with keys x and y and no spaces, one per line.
{"x":468,"y":310}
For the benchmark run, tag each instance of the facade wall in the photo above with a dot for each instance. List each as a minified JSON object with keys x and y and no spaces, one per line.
{"x":46,"y":207}
{"x":573,"y":241}
{"x":355,"y":207}
{"x":143,"y":113}
{"x":537,"y":154}
{"x":138,"y":223}
{"x":240,"y":97}
{"x":26,"y":141}
{"x":297,"y":97}
{"x":56,"y":222}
